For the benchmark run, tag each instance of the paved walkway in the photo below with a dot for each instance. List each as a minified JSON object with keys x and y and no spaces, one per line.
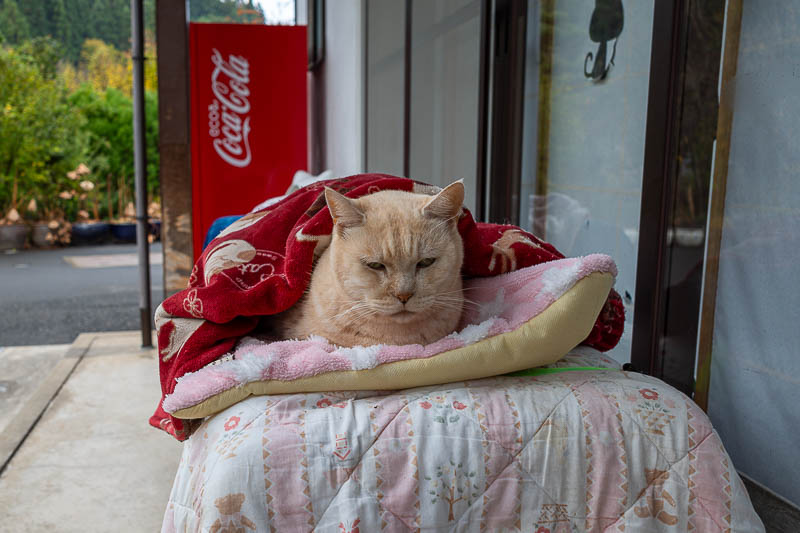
{"x":76,"y":450}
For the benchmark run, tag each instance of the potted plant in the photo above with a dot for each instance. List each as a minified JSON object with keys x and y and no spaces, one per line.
{"x":123,"y":228}
{"x":88,"y":229}
{"x":154,"y":218}
{"x":123,"y":222}
{"x":49,"y":228}
{"x":40,"y":232}
{"x":12,"y":232}
{"x":39,"y":136}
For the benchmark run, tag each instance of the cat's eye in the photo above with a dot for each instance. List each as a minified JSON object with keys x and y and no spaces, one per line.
{"x":428,"y":261}
{"x":375,"y":266}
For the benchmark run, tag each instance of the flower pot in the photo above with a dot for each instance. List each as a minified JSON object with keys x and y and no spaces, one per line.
{"x":90,"y":233}
{"x":13,"y":236}
{"x":123,"y":231}
{"x":155,"y":228}
{"x":41,"y":236}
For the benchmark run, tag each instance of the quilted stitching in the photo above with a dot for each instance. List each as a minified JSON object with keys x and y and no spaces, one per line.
{"x":622,"y":393}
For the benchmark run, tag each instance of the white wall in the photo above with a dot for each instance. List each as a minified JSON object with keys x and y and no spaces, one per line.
{"x":343,"y":81}
{"x":755,"y":366}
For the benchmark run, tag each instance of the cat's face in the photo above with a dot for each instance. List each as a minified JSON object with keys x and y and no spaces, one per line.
{"x":398,"y":255}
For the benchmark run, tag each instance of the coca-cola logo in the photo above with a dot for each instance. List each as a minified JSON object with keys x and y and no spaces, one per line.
{"x":228,"y":120}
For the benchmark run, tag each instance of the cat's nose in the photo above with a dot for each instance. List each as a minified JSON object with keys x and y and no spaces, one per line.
{"x":404,"y":296}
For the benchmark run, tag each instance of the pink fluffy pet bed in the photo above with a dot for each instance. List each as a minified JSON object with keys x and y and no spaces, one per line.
{"x":522,"y":319}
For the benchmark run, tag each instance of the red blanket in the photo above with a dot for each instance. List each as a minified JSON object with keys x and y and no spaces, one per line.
{"x":261,"y":265}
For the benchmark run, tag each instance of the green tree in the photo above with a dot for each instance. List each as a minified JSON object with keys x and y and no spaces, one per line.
{"x":13,"y":24}
{"x":109,"y":124}
{"x":40,"y":134}
{"x":225,"y":11}
{"x":36,"y":13}
{"x":44,"y":52}
{"x":105,"y":66}
{"x":60,"y":28}
{"x":153,"y":153}
{"x":110,"y":21}
{"x":78,"y":20}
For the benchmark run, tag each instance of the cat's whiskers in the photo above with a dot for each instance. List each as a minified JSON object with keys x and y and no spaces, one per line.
{"x":453,"y":302}
{"x":358,"y":317}
{"x":462,"y":289}
{"x":449,"y":295}
{"x":440,"y":306}
{"x":359,"y":308}
{"x":363,"y":311}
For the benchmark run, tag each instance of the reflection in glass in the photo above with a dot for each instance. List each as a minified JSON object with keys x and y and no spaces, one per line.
{"x":445,"y":67}
{"x":385,"y":82}
{"x":583,"y":142}
{"x":685,"y":238}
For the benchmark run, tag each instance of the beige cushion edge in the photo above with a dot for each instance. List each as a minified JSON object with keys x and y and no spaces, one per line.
{"x":573,"y":315}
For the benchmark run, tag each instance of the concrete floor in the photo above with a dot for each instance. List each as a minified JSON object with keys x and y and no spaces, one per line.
{"x":22,"y":369}
{"x":78,"y":452}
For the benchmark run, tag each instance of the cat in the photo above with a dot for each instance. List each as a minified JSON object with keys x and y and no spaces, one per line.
{"x":391,"y":274}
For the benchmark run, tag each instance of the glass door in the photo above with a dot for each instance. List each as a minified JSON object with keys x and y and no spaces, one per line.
{"x":445,"y":67}
{"x":423,"y":74}
{"x":587,"y":73}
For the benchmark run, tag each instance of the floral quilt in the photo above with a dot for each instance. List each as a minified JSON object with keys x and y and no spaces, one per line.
{"x":569,"y":450}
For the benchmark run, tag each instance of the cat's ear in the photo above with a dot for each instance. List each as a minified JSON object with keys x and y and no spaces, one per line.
{"x":446,"y":204}
{"x":344,"y":211}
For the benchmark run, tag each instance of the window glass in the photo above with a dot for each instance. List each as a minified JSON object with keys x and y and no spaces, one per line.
{"x":445,"y":75}
{"x":385,"y":85}
{"x":583,"y":136}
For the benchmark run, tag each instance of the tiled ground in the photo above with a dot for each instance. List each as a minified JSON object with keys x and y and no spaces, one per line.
{"x":91,"y":462}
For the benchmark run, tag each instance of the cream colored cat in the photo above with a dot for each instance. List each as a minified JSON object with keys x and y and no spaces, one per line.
{"x":391,"y":275}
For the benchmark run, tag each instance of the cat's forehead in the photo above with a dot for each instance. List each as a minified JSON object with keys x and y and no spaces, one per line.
{"x":388,"y":199}
{"x":398,"y":238}
{"x":395,"y":208}
{"x":395,"y":228}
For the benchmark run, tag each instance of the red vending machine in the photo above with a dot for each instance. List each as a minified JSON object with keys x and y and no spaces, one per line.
{"x":248,"y":113}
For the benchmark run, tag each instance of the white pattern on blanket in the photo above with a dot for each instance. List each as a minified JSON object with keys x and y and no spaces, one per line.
{"x":602,"y":450}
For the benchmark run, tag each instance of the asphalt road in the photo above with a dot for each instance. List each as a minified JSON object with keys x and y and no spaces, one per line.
{"x":45,"y":300}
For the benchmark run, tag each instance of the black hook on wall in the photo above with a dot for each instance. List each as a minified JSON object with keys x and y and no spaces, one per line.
{"x":607,"y":21}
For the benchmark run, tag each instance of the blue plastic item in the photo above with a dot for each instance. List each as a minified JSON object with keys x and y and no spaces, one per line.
{"x":217,"y":226}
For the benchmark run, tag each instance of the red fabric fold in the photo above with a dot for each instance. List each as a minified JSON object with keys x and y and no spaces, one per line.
{"x":261,"y":265}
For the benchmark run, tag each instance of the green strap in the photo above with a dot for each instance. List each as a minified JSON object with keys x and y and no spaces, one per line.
{"x":542,"y":371}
